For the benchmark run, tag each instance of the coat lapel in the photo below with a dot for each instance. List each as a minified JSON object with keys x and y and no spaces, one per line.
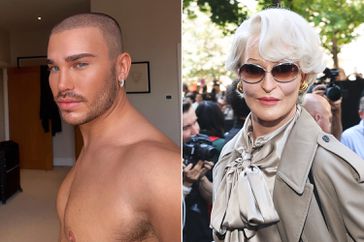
{"x":292,"y":194}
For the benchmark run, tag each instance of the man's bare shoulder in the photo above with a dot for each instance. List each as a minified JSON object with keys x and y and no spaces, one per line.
{"x":155,"y":168}
{"x":152,"y":158}
{"x":154,"y":151}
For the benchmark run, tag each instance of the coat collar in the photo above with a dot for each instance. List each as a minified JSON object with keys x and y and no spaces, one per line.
{"x":299,"y":152}
{"x":292,"y":194}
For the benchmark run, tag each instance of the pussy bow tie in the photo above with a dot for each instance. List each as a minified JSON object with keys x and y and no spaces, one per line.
{"x":243,"y":200}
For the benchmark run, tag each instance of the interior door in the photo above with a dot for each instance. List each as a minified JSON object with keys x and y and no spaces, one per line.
{"x":78,"y":142}
{"x":35,"y":146}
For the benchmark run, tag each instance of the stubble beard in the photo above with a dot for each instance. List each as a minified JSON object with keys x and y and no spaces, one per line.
{"x":104,"y":100}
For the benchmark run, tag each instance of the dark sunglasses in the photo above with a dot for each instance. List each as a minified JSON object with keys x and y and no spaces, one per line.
{"x":282,"y":72}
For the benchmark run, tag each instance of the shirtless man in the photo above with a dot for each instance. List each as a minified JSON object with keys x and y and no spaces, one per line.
{"x":125,"y":185}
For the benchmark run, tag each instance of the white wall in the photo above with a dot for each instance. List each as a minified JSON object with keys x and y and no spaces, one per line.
{"x":28,"y":43}
{"x":64,"y":146}
{"x":152,"y":32}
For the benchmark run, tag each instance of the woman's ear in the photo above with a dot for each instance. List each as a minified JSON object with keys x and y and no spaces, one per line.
{"x":304,"y":77}
{"x":123,"y":64}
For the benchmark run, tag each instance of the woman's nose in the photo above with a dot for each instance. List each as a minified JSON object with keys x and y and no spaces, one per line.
{"x":268,"y":83}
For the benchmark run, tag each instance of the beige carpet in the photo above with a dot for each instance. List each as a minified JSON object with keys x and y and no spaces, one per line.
{"x":30,"y":216}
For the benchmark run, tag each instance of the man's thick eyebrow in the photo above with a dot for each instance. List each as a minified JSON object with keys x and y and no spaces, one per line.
{"x":73,"y":57}
{"x":78,"y":56}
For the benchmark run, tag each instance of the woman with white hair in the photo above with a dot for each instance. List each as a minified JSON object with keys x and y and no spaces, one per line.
{"x":281,"y":178}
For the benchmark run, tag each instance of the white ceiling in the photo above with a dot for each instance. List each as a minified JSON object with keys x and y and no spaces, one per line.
{"x":22,"y":14}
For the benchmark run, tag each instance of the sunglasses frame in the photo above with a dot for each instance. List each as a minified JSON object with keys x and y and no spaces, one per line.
{"x":265,"y":72}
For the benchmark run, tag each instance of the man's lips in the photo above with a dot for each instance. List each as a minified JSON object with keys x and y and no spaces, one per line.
{"x":68,"y":103}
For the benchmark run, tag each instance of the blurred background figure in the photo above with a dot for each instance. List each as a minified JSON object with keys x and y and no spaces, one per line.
{"x":211,"y":121}
{"x":189,"y":120}
{"x":215,"y":92}
{"x":185,"y":89}
{"x":341,"y":75}
{"x":320,"y":110}
{"x":240,"y":110}
{"x":197,"y":186}
{"x":190,"y":96}
{"x":327,"y":87}
{"x":227,"y":111}
{"x":198,"y":100}
{"x":354,"y":137}
{"x":332,"y":94}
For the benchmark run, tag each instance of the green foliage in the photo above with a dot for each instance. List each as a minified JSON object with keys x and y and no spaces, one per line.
{"x":228,"y":14}
{"x":336,"y":19}
{"x":204,"y":48}
{"x":263,"y":4}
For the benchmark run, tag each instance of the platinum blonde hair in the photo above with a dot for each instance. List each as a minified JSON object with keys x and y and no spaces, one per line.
{"x":283,"y":35}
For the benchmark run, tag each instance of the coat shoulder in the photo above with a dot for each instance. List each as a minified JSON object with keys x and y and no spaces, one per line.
{"x":330,"y":150}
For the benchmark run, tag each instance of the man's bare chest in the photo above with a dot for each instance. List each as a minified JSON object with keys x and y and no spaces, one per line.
{"x":98,"y":208}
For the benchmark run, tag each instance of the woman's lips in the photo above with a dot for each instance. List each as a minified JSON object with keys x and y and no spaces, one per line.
{"x":270,"y":101}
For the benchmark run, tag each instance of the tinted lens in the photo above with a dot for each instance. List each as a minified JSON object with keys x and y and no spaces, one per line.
{"x":251,"y":73}
{"x":285,"y":72}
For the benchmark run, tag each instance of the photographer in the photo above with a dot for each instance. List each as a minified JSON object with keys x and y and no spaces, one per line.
{"x":332,"y":93}
{"x":197,"y":186}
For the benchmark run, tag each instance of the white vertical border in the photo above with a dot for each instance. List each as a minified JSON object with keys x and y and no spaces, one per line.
{"x":179,"y":90}
{"x":179,"y":64}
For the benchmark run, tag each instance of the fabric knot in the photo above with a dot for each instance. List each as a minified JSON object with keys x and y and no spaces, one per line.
{"x":247,"y":156}
{"x":240,"y":163}
{"x":260,"y":142}
{"x":246,"y":202}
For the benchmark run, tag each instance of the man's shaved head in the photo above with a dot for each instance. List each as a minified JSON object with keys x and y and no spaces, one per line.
{"x":108,"y":26}
{"x":320,"y":110}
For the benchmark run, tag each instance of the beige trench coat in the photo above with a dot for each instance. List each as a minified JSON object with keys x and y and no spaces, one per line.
{"x":319,"y":186}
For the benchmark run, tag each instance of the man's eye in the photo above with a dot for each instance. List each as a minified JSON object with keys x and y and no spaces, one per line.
{"x":53,"y":68}
{"x":80,"y":65}
{"x":184,"y":128}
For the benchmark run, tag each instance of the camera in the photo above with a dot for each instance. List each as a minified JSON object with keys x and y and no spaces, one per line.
{"x":332,"y":91}
{"x":198,"y":148}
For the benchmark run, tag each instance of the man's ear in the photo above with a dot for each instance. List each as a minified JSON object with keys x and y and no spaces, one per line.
{"x":317,"y":117}
{"x":123,"y":64}
{"x":361,"y":115}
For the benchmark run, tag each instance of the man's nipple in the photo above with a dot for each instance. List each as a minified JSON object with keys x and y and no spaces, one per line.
{"x":71,"y":237}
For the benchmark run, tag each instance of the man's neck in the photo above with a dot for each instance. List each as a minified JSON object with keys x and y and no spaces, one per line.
{"x":108,"y":123}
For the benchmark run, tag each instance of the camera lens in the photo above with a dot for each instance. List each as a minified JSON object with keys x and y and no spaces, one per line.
{"x":333,"y":93}
{"x":206,"y":152}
